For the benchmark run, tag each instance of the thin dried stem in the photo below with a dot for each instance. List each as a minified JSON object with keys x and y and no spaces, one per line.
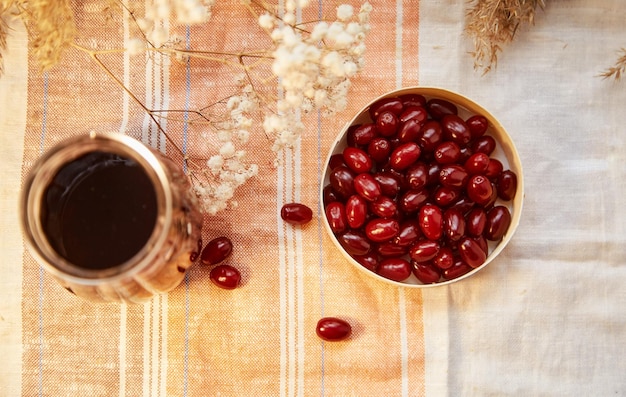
{"x":94,"y":55}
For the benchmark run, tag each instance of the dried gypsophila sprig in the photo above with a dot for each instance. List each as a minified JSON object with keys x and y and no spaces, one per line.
{"x":618,"y":68}
{"x":493,"y":23}
{"x":310,"y":63}
{"x":312,"y":68}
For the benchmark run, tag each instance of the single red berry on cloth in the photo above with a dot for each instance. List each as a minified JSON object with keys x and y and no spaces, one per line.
{"x":296,"y":213}
{"x":225,"y":276}
{"x":216,"y":251}
{"x":333,"y":329}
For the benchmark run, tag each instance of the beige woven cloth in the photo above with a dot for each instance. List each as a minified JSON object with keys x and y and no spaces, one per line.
{"x":548,"y":317}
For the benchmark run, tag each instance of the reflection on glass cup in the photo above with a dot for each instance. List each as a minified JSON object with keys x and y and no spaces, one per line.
{"x":110,"y":219}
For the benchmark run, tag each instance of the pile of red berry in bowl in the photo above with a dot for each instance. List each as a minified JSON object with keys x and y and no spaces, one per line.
{"x":422,"y":187}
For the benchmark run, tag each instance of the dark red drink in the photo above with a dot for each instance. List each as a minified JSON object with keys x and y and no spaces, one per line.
{"x":99,"y":210}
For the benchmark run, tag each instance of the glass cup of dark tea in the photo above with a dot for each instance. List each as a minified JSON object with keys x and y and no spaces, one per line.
{"x":111,"y":219}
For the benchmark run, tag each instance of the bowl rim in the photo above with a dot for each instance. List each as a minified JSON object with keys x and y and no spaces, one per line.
{"x":507,"y":146}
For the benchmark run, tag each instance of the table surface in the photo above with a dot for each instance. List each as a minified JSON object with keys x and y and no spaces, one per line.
{"x":547,"y":317}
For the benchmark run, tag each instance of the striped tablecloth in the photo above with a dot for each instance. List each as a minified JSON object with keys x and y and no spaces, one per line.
{"x":548,"y":317}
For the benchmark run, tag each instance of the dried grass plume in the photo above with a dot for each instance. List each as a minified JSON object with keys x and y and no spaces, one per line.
{"x":50,"y":24}
{"x":619,"y":67}
{"x":494,"y":23}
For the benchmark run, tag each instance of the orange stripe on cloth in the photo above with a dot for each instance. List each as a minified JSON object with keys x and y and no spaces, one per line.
{"x":257,"y":340}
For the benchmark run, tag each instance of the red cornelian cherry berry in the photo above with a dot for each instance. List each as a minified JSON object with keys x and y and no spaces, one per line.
{"x":485,"y":144}
{"x":426,"y":272}
{"x":471,"y":252}
{"x":478,"y":125}
{"x":458,"y":269}
{"x":355,"y":242}
{"x":382,"y":229}
{"x":409,"y":233}
{"x":494,"y":169}
{"x":341,"y":179}
{"x":506,"y":184}
{"x":477,"y":163}
{"x":333,"y":329}
{"x":363,"y":134}
{"x":396,"y":269}
{"x":444,"y":258}
{"x":453,"y":224}
{"x":413,"y":112}
{"x":391,"y":249}
{"x":424,"y":250}
{"x":379,"y":149}
{"x":475,"y":222}
{"x":225,"y":276}
{"x":498,"y":222}
{"x":404,"y":155}
{"x":447,"y":152}
{"x":409,"y":131}
{"x":367,"y":187}
{"x":431,"y":221}
{"x":296,"y":213}
{"x":393,"y":105}
{"x":389,"y":185}
{"x":453,"y":175}
{"x":336,"y":160}
{"x":440,"y":107}
{"x":455,"y":129}
{"x":356,"y":211}
{"x":430,"y":136}
{"x":368,"y":261}
{"x":479,"y":189}
{"x":417,"y":175}
{"x":216,"y":251}
{"x":357,"y":159}
{"x":387,"y":123}
{"x":409,"y":100}
{"x":336,"y":215}
{"x":384,"y":207}
{"x":412,"y":200}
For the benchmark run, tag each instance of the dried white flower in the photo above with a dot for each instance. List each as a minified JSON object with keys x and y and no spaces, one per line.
{"x":227,"y":150}
{"x":135,"y":46}
{"x":224,"y":135}
{"x":319,"y":31}
{"x":158,"y":36}
{"x":289,"y":18}
{"x":215,"y":163}
{"x":345,"y":12}
{"x":266,"y":21}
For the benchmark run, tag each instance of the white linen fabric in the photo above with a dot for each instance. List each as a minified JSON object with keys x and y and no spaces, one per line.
{"x":548,"y":317}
